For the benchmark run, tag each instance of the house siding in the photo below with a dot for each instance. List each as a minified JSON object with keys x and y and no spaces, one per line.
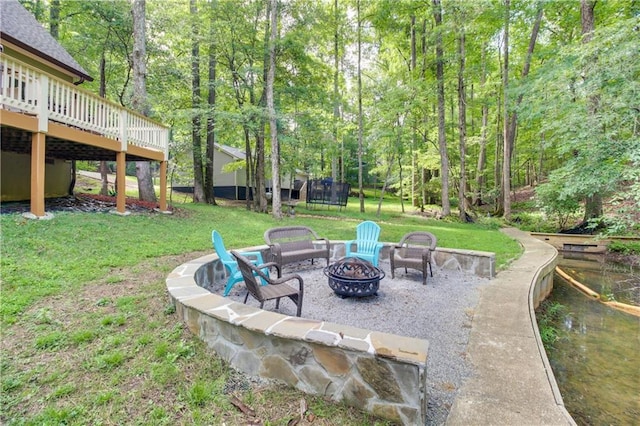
{"x":15,"y":177}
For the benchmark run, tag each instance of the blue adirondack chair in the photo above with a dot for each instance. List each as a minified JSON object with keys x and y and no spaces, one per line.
{"x":366,"y":243}
{"x":230,"y":264}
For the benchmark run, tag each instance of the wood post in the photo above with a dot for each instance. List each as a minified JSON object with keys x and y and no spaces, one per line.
{"x":163,"y":186}
{"x":38,"y":150}
{"x":121,"y":182}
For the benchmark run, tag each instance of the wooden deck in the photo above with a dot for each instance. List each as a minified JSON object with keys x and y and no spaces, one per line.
{"x":46,"y":117}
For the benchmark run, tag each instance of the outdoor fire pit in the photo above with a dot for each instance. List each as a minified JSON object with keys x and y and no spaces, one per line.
{"x":353,"y":277}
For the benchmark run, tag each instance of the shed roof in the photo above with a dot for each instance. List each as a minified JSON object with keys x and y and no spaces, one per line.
{"x":20,"y":27}
{"x":235,"y":153}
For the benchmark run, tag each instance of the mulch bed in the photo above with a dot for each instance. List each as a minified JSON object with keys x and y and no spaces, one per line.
{"x":90,"y":203}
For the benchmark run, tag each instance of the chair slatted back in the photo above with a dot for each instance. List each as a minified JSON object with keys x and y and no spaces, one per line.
{"x":367,"y":235}
{"x":218,"y":245}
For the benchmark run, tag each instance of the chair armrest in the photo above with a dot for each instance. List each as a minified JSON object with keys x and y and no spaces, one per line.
{"x":269,"y":265}
{"x":289,"y":278}
{"x":325,"y":240}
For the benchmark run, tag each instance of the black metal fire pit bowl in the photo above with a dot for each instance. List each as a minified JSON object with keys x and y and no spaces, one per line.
{"x":353,"y":277}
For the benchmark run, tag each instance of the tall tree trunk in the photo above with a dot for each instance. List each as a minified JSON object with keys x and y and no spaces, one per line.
{"x":482,"y":154}
{"x":250,"y":187}
{"x":414,"y":120}
{"x":442,"y":140}
{"x":211,"y":117}
{"x":506,"y":139}
{"x":462,"y":125}
{"x":360,"y":123}
{"x":497,"y":165}
{"x":146,"y":191}
{"x":425,"y":175}
{"x":513,"y":119}
{"x":54,"y":19}
{"x":271,"y":110}
{"x":196,"y":142}
{"x":248,"y":170}
{"x":593,"y":203}
{"x":260,"y":174}
{"x":387,"y":175}
{"x":336,"y":80}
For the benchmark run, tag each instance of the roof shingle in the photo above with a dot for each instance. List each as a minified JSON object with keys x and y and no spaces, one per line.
{"x":20,"y":27}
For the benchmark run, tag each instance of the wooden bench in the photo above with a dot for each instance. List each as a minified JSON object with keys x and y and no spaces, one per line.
{"x":295,"y":243}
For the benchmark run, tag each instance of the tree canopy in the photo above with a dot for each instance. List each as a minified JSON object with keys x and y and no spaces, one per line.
{"x":435,"y":84}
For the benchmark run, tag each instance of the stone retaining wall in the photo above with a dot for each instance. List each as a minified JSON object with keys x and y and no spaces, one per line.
{"x":381,"y":373}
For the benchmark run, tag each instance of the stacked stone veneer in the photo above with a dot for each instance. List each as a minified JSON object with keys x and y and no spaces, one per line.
{"x":381,"y":373}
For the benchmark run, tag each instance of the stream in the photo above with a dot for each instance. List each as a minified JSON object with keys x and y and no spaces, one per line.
{"x":596,"y":362}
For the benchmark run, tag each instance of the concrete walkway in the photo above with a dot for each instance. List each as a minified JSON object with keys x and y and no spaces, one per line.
{"x":512,"y":383}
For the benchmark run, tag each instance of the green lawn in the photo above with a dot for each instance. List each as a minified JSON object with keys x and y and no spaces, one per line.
{"x":88,"y":333}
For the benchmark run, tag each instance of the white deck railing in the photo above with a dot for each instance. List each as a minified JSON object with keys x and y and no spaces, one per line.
{"x":26,"y":89}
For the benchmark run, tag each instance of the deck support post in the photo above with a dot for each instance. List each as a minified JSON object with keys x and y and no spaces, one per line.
{"x":38,"y":151}
{"x":121,"y":182}
{"x":163,"y":186}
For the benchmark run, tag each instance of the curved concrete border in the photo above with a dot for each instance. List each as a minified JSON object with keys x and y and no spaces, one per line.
{"x":513,"y":382}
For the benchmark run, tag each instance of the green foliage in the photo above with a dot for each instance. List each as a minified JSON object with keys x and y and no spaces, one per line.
{"x":533,"y":222}
{"x":53,"y":340}
{"x":624,"y":247}
{"x":556,"y":203}
{"x":549,"y":317}
{"x":490,"y":222}
{"x":588,"y":112}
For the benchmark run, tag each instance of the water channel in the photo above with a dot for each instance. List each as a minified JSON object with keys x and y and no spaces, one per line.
{"x":597,"y":360}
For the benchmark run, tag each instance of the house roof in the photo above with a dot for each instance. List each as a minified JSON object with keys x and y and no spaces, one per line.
{"x":238,"y":154}
{"x":235,"y":153}
{"x":20,"y":27}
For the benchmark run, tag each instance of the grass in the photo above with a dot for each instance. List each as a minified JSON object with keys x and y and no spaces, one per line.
{"x":88,"y":335}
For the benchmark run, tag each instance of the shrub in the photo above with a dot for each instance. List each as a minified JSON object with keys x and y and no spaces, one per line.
{"x":550,"y":314}
{"x":557,"y":205}
{"x":532,"y":222}
{"x":624,"y":247}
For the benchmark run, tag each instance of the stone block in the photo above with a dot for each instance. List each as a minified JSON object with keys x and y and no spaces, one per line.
{"x":317,"y":382}
{"x":276,"y":367}
{"x":322,"y":337}
{"x":356,"y":393}
{"x":377,"y":374}
{"x":224,"y":349}
{"x":294,"y":327}
{"x":335,"y":362}
{"x":248,"y":362}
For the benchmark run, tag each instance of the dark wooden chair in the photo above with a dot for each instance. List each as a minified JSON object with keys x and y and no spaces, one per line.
{"x":275,"y":288}
{"x":414,"y":251}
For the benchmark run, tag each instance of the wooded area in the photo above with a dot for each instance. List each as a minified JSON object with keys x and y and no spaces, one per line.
{"x":430,"y":99}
